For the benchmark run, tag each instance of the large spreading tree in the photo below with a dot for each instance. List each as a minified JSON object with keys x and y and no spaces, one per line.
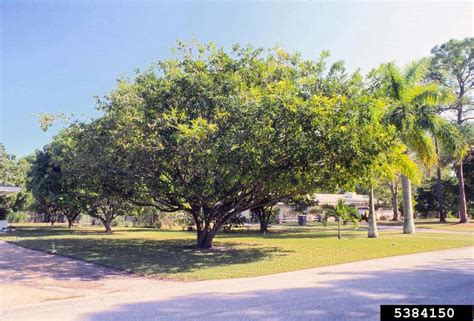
{"x":215,"y":133}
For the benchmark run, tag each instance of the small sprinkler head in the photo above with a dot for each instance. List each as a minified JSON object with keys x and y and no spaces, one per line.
{"x":53,"y":249}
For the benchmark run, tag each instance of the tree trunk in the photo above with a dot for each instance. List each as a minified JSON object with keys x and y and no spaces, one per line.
{"x":70,"y":222}
{"x":439,"y":187}
{"x":462,"y":195}
{"x":107,"y":222}
{"x":408,"y":222}
{"x":459,"y":169}
{"x":373,"y":231}
{"x":52,"y":219}
{"x":108,"y":228}
{"x":205,"y":238}
{"x":339,"y":235}
{"x":263,"y":224}
{"x":440,"y":196}
{"x":263,"y":218}
{"x":394,"y":192}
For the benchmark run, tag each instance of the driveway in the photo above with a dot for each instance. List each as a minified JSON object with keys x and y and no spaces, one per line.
{"x":36,"y":286}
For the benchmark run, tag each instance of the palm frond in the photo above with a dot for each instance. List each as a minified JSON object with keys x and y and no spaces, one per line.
{"x":422,"y":145}
{"x":399,"y":162}
{"x":451,"y":140}
{"x":396,"y":81}
{"x":429,"y":95}
{"x":416,"y":71}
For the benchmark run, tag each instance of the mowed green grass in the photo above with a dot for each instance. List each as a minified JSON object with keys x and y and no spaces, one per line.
{"x":170,"y":254}
{"x":452,"y":224}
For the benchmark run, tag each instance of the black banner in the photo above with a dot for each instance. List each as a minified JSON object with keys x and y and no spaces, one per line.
{"x":426,"y":312}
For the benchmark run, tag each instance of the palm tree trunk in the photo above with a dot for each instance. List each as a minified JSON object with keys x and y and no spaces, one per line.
{"x":462,"y":195}
{"x":440,"y":196}
{"x":373,"y":231}
{"x":408,"y":222}
{"x":439,"y":187}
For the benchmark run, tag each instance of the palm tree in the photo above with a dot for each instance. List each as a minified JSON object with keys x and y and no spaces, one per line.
{"x":450,"y":142}
{"x":343,"y":212}
{"x":412,"y":105}
{"x":388,"y":168}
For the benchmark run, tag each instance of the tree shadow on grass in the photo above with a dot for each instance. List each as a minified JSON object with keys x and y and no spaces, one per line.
{"x":45,"y":231}
{"x":357,"y":296}
{"x":310,"y":234}
{"x":144,"y":256}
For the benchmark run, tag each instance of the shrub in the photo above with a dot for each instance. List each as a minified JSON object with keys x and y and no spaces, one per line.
{"x":149,"y":219}
{"x":234,"y":222}
{"x":177,"y":219}
{"x":17,"y":217}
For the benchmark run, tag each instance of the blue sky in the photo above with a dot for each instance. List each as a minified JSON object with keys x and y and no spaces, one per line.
{"x":57,"y":55}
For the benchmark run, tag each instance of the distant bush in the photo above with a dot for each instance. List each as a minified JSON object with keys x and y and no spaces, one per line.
{"x":235,"y":222}
{"x":148,"y":220}
{"x":177,"y":219}
{"x":17,"y":217}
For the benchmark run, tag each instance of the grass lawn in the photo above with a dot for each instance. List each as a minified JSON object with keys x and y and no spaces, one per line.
{"x":170,"y":254}
{"x":433,"y":223}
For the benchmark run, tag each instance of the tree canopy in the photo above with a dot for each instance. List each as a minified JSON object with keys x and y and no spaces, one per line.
{"x":215,"y":133}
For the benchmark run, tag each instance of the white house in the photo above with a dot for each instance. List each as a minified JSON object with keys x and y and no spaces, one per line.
{"x":5,"y":190}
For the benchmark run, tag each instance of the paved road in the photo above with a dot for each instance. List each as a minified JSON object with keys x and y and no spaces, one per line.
{"x":351,"y":291}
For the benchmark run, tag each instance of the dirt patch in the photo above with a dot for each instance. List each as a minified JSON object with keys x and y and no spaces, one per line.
{"x":30,"y":277}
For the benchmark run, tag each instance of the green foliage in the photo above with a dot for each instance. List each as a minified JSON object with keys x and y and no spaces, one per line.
{"x":146,"y":216}
{"x":55,"y":192}
{"x":17,"y":217}
{"x":179,"y":219}
{"x":452,"y":66}
{"x":427,"y":202}
{"x":13,"y":172}
{"x":301,"y":203}
{"x":216,"y":133}
{"x":235,"y":222}
{"x":413,"y":110}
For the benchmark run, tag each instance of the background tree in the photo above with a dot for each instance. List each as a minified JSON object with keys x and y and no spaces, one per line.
{"x":55,"y":192}
{"x":13,"y":172}
{"x":97,"y":171}
{"x":393,"y":186}
{"x":452,"y":65}
{"x":44,"y":183}
{"x":427,"y":199}
{"x":264,"y":215}
{"x":469,"y":182}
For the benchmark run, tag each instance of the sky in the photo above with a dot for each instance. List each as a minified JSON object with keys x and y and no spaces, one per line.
{"x":55,"y":56}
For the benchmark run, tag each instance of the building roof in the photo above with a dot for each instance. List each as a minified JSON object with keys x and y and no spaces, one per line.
{"x":7,"y":189}
{"x":350,"y":198}
{"x":356,"y":200}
